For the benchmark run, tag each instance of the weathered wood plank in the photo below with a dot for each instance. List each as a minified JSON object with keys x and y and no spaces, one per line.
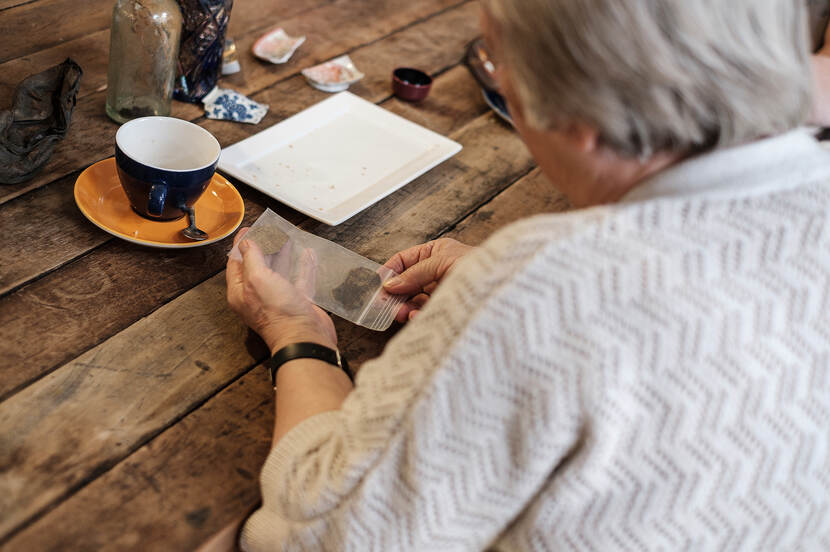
{"x":114,"y":397}
{"x":440,"y":43}
{"x":89,"y":300}
{"x":91,"y":51}
{"x":34,"y":26}
{"x":30,"y":27}
{"x":357,"y":23}
{"x":178,"y":489}
{"x":42,"y":231}
{"x":532,"y":195}
{"x":6,"y":4}
{"x":58,"y":317}
{"x":212,"y":457}
{"x":81,"y":435}
{"x":51,"y":307}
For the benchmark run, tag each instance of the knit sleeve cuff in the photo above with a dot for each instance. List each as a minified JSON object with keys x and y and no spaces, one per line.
{"x":261,"y":531}
{"x":307,"y":435}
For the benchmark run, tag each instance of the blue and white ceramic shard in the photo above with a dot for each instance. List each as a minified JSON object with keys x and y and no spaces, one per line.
{"x":228,"y":105}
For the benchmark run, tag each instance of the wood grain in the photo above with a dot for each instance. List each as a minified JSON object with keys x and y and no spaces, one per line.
{"x":101,"y":293}
{"x":176,"y":490}
{"x":440,"y":43}
{"x":82,"y":432}
{"x":219,"y":448}
{"x":92,"y":134}
{"x":91,"y":50}
{"x":63,"y":314}
{"x":42,"y":231}
{"x":153,"y":333}
{"x":84,"y":417}
{"x":6,"y":4}
{"x":531,"y":195}
{"x":34,"y":26}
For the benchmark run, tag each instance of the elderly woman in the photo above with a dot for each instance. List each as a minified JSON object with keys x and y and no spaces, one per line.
{"x":649,"y":371}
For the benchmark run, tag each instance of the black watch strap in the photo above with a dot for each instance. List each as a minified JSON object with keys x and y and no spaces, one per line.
{"x":306,"y":350}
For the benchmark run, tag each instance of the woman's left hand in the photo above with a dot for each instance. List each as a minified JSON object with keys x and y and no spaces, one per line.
{"x":270,"y":305}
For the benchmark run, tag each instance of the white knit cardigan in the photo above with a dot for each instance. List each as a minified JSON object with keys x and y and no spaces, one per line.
{"x":649,"y":375}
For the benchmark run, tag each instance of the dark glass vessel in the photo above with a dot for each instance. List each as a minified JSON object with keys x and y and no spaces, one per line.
{"x":200,"y":53}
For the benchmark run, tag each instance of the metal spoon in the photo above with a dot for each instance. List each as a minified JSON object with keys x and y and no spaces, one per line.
{"x":191,"y":232}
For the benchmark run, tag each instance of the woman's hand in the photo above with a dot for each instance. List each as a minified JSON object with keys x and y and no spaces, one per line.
{"x":272,"y":306}
{"x":421,"y":268}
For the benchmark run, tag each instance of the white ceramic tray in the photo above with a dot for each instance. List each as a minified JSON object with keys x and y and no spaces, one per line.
{"x":336,"y":158}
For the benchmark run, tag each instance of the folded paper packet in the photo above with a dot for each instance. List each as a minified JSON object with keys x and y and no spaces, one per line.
{"x":332,"y":277}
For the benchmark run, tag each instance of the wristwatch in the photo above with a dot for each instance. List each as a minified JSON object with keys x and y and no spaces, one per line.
{"x":306,"y":350}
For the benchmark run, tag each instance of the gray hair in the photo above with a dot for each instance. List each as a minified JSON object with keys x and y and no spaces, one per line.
{"x":659,"y":75}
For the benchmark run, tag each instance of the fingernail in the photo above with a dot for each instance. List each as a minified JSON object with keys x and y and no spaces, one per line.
{"x":413,"y":314}
{"x":244,"y":245}
{"x":392,"y":282}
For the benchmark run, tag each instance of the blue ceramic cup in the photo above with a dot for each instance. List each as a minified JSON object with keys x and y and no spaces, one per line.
{"x":164,"y":164}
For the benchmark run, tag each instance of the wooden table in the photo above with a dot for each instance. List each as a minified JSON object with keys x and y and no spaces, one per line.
{"x":134,"y":410}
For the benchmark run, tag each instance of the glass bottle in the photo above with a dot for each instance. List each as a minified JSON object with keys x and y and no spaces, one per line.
{"x":203,"y":40}
{"x":144,"y":47}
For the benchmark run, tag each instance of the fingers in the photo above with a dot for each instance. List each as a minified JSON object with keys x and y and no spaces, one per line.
{"x":416,"y":278}
{"x":408,"y":257}
{"x":234,"y":252}
{"x":253,"y":261}
{"x":411,"y":306}
{"x":307,"y":273}
{"x":281,"y":262}
{"x":241,"y":234}
{"x":233,"y":271}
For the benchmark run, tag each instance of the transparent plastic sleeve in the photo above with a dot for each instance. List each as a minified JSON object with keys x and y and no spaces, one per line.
{"x":334,"y":278}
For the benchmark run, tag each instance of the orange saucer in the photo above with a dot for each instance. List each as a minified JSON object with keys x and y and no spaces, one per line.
{"x":101,"y":199}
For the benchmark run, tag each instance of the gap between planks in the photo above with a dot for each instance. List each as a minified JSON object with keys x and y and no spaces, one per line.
{"x":380,"y":100}
{"x":96,"y":471}
{"x":435,"y":116}
{"x":102,"y":28}
{"x":304,"y":224}
{"x":256,"y":91}
{"x":10,"y":6}
{"x":470,"y":224}
{"x":107,"y":240}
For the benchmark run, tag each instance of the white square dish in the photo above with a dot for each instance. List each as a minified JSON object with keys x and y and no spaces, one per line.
{"x":336,"y":158}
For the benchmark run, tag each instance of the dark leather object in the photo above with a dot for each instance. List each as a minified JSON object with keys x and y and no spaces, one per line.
{"x":38,"y":120}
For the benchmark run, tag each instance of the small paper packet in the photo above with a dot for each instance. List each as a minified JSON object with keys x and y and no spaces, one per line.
{"x":332,"y":277}
{"x":228,"y":105}
{"x":276,"y":46}
{"x":333,"y":76}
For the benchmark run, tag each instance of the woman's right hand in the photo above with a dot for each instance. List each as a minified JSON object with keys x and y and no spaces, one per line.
{"x":420,"y":269}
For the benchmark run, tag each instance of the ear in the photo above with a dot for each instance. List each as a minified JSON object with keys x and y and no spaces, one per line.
{"x":582,"y":137}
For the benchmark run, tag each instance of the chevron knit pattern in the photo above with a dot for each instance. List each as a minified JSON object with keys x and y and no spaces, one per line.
{"x":651,"y":375}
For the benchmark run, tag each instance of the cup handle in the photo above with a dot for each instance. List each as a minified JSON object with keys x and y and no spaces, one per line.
{"x":158,"y":193}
